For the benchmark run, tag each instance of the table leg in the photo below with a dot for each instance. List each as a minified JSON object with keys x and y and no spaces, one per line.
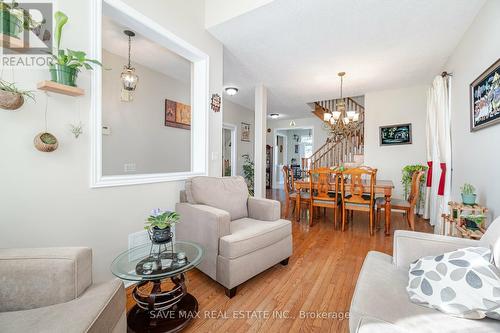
{"x":297,"y":207}
{"x":387,"y":214}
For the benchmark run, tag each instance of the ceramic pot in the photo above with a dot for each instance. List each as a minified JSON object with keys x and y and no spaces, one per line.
{"x":63,"y":74}
{"x":11,"y":24}
{"x":160,"y":236}
{"x":469,"y":199}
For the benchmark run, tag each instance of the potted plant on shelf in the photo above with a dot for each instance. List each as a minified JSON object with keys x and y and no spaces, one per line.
{"x":11,"y":98}
{"x":468,"y":194}
{"x":473,"y":222}
{"x":159,"y":225}
{"x":67,"y":63}
{"x":15,"y":20}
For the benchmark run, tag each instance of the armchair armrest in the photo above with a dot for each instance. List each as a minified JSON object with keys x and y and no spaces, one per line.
{"x":203,"y":225}
{"x":264,"y":209}
{"x":32,"y":278}
{"x":410,"y":245}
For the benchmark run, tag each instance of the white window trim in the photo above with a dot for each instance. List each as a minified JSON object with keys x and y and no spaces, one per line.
{"x":142,"y":24}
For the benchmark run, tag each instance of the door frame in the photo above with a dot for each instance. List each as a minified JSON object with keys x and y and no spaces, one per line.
{"x":234,"y":160}
{"x":276,"y":166}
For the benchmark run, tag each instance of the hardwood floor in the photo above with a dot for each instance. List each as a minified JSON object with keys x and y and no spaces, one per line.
{"x":320,"y":278}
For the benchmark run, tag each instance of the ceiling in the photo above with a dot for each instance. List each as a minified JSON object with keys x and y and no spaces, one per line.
{"x":296,"y":47}
{"x":144,"y":51}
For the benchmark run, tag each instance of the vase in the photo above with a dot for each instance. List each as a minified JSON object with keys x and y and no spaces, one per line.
{"x":160,"y":236}
{"x":11,"y":24}
{"x":469,"y":199}
{"x":63,"y":74}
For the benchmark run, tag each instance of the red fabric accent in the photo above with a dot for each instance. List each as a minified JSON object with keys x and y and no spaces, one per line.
{"x":442,"y":180}
{"x":429,"y":174}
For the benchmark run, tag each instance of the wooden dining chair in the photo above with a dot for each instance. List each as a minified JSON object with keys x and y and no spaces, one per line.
{"x":324,"y":187}
{"x":407,"y":206}
{"x":291,"y":194}
{"x":358,"y":193}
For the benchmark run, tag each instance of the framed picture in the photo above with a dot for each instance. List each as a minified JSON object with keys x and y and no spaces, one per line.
{"x":485,"y":98}
{"x":245,"y":132}
{"x":177,"y":115}
{"x":395,"y":135}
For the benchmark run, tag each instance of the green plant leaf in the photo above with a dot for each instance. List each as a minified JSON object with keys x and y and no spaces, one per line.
{"x":61,"y":19}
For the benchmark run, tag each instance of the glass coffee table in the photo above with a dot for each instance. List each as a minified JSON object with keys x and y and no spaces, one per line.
{"x":156,"y":309}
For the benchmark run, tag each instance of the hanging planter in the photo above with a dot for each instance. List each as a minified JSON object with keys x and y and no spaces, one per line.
{"x":12,"y":98}
{"x":46,"y":142}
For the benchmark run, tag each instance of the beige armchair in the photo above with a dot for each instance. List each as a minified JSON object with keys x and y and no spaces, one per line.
{"x":51,"y":290}
{"x":380,"y":302}
{"x":241,"y":235}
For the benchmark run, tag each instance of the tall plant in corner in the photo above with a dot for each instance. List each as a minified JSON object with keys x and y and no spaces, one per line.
{"x":248,"y":173}
{"x":67,"y":63}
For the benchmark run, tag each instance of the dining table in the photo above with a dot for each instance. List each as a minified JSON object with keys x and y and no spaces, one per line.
{"x":383,"y":187}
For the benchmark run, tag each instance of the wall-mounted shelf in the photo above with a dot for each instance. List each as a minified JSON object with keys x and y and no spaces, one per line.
{"x":12,"y":42}
{"x":60,"y":88}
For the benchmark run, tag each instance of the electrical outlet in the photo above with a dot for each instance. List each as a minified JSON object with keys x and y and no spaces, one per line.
{"x":129,"y":167}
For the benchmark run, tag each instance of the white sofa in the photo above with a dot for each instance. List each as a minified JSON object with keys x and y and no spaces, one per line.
{"x":241,"y":235}
{"x":380,"y":302}
{"x":51,"y":290}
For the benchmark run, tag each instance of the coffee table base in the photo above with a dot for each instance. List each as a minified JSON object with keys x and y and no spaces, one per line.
{"x":170,"y":320}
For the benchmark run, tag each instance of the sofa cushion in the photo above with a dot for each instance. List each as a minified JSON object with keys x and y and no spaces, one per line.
{"x":227,"y":193}
{"x":381,"y":294}
{"x":248,"y":235}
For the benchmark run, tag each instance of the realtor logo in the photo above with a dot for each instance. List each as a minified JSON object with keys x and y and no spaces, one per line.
{"x":26,"y":29}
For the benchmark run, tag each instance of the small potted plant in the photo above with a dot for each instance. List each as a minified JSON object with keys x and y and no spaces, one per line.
{"x":67,"y":63}
{"x":15,"y":20}
{"x":159,"y":225}
{"x":468,"y":194}
{"x":473,"y":222}
{"x":11,"y":98}
{"x":45,"y":142}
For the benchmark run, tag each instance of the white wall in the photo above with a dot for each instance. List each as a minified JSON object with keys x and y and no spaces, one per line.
{"x":475,"y":155}
{"x":406,"y":105}
{"x":45,"y":199}
{"x":235,"y":114}
{"x":138,"y":131}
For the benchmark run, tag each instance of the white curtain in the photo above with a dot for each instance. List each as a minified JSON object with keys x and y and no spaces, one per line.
{"x":438,"y":130}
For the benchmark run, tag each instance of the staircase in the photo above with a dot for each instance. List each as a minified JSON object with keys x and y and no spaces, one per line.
{"x":348,"y":151}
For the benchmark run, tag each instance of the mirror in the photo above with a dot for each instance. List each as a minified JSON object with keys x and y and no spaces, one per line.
{"x":149,"y":100}
{"x":146,"y":105}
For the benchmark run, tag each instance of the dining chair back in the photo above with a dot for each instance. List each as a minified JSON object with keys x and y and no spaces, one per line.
{"x":324,"y":189}
{"x":358,"y":192}
{"x":416,"y":179}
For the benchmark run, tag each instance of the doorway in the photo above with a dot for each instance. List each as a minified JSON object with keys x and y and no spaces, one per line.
{"x":228,"y":150}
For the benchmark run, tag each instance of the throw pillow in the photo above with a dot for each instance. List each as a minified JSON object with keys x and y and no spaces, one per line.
{"x":462,"y":283}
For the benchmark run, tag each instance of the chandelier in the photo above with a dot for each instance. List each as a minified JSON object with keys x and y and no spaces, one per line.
{"x":128,"y":76}
{"x":340,"y":121}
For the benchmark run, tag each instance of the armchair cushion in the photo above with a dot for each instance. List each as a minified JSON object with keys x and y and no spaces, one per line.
{"x":410,"y":246}
{"x":32,"y":278}
{"x":249,"y":235}
{"x":264,"y":209}
{"x":227,"y":193}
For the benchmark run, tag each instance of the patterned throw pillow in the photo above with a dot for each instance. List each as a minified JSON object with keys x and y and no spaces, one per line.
{"x":461,"y":283}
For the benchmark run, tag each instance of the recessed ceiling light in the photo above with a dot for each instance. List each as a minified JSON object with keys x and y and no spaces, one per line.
{"x":231,"y":91}
{"x":274,"y":115}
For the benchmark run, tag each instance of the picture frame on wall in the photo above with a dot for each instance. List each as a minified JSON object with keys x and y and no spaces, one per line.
{"x":485,"y":98}
{"x":245,"y":132}
{"x":177,"y":115}
{"x":395,"y":135}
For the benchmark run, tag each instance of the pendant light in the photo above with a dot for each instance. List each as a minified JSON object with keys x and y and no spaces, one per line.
{"x":128,"y":76}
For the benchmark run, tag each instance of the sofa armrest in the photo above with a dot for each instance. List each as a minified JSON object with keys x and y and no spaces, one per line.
{"x":204,"y":225}
{"x":264,"y":209}
{"x":410,"y":246}
{"x":36,"y":277}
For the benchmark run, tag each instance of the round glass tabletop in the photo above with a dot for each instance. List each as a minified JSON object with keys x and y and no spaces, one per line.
{"x":152,"y":262}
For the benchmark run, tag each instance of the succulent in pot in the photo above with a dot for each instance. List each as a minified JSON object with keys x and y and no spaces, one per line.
{"x":12,"y":98}
{"x":159,"y":224}
{"x":46,"y":142}
{"x":468,"y":194}
{"x":67,"y":63}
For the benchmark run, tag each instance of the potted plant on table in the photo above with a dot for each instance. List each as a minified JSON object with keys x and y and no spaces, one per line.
{"x":159,"y":225}
{"x":12,"y":98}
{"x":468,"y":194}
{"x":67,"y":63}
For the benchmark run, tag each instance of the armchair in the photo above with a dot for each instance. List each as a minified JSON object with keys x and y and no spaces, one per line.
{"x":380,"y":302}
{"x":242,"y":236}
{"x":51,"y":290}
